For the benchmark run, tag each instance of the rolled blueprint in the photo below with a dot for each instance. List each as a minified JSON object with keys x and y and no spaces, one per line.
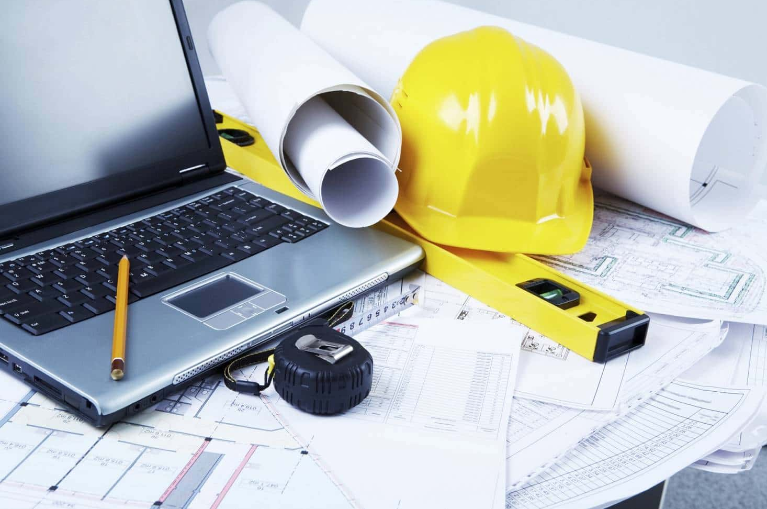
{"x":688,"y":143}
{"x":337,"y":139}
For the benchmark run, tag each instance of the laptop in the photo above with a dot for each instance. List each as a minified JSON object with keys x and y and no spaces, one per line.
{"x":108,"y":147}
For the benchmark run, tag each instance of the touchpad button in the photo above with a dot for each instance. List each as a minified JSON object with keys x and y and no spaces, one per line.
{"x":224,"y":301}
{"x":214,"y":297}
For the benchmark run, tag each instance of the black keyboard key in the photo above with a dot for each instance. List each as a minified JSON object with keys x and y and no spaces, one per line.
{"x":233,"y":227}
{"x":223,"y":216}
{"x":68,"y":272}
{"x":21,"y":286}
{"x":259,"y":202}
{"x":242,"y":195}
{"x":73,"y":299}
{"x":292,"y":215}
{"x":267,"y":225}
{"x":109,"y":259}
{"x":250,"y":249}
{"x":279,"y":233}
{"x":91,"y":278}
{"x":170,"y":251}
{"x":291,"y":238}
{"x":305,"y":232}
{"x":90,"y":265}
{"x":177,"y":277}
{"x":17,"y":273}
{"x":194,"y":255}
{"x":234,"y":255}
{"x":226,"y":245}
{"x":41,"y":267}
{"x":149,"y":246}
{"x":150,"y":258}
{"x":291,"y":227}
{"x":111,"y":284}
{"x":99,"y":306}
{"x":46,"y":293}
{"x":276,"y":208}
{"x":76,"y":314}
{"x":95,"y":291}
{"x":46,"y":324}
{"x":68,"y":248}
{"x":45,"y":279}
{"x":23,"y":313}
{"x":84,"y":254}
{"x":26,"y":260}
{"x":240,"y":237}
{"x":224,"y":205}
{"x":113,"y":299}
{"x":130,"y":251}
{"x":157,"y":269}
{"x":211,"y":249}
{"x":316,"y":225}
{"x":140,"y":276}
{"x":255,"y":217}
{"x":176,"y":262}
{"x":200,"y":227}
{"x":61,"y":260}
{"x":68,"y":286}
{"x":267,"y":241}
{"x":15,"y":300}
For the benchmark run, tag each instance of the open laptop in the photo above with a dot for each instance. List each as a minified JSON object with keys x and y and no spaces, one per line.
{"x":108,"y":146}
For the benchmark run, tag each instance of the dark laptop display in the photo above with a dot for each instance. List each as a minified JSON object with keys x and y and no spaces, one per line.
{"x":118,"y":111}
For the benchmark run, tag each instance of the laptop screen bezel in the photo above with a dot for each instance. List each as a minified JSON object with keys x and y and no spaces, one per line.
{"x":44,"y":209}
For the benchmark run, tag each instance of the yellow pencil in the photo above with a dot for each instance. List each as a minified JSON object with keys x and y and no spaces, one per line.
{"x":121,"y":320}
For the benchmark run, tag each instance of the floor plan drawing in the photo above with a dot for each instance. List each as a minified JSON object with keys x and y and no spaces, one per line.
{"x":206,"y":447}
{"x":661,"y":265}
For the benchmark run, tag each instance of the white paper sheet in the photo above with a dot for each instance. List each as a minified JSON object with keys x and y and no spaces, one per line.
{"x":549,"y":372}
{"x":741,"y":361}
{"x":432,"y":431}
{"x":339,"y":157}
{"x":701,"y":134}
{"x":664,"y":266}
{"x":683,"y":423}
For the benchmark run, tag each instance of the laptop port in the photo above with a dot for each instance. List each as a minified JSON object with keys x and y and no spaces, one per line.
{"x":17,"y":368}
{"x":3,"y":358}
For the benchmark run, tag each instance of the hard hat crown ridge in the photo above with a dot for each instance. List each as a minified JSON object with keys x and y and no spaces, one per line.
{"x":493,"y":145}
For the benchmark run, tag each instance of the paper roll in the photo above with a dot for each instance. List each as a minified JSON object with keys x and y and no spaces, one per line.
{"x":688,"y":143}
{"x":333,"y":135}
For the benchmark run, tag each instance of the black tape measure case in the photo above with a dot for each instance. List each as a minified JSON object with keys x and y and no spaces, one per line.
{"x":314,"y":368}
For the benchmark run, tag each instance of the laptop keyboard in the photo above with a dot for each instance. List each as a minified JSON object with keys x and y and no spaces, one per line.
{"x":58,"y":287}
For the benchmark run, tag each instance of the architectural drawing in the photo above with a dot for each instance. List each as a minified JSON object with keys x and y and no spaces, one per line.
{"x":206,"y":447}
{"x":664,"y":266}
{"x":536,"y":343}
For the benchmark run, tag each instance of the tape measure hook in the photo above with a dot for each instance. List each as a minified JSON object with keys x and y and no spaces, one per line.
{"x":326,"y":350}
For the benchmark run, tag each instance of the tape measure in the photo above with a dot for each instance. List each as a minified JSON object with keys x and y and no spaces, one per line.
{"x":583,"y":319}
{"x":363,"y":319}
{"x":314,"y":368}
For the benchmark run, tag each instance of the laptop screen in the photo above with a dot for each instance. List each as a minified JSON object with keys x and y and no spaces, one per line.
{"x":90,"y":89}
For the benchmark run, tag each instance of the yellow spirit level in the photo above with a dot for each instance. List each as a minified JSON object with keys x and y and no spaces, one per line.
{"x":588,"y":322}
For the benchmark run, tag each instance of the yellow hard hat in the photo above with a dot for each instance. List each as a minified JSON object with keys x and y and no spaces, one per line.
{"x":493,"y":147}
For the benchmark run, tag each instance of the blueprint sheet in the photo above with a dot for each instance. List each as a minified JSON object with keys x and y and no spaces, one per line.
{"x":741,"y":362}
{"x":672,"y":430}
{"x":549,"y":372}
{"x":434,"y":423}
{"x":661,"y":265}
{"x":206,"y":447}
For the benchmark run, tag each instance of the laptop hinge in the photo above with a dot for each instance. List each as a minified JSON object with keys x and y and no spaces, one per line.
{"x":195,"y":173}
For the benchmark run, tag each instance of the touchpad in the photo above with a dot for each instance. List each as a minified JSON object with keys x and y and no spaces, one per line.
{"x":225,"y":301}
{"x":215,"y":296}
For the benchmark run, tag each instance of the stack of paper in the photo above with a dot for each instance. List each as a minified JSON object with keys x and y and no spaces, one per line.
{"x":568,"y":412}
{"x":741,"y":362}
